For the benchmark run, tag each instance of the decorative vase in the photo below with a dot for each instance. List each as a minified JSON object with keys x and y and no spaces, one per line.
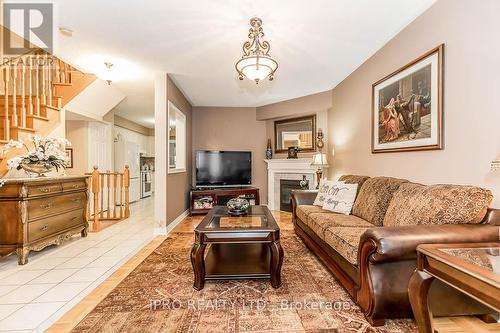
{"x":304,"y":183}
{"x":269,"y":150}
{"x":237,"y":206}
{"x":38,"y":170}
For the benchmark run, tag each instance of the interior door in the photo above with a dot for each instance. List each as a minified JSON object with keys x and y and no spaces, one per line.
{"x":100,"y":153}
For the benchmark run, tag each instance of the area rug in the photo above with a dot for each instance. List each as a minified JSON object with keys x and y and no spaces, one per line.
{"x":158,"y":296}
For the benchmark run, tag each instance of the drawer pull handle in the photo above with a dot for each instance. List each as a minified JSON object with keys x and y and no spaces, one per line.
{"x":74,"y":218}
{"x":46,"y":206}
{"x":44,"y":228}
{"x":76,"y":186}
{"x":76,"y":200}
{"x":44,"y":189}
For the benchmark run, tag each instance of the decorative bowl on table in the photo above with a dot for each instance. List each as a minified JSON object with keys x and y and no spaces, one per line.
{"x":238,"y":206}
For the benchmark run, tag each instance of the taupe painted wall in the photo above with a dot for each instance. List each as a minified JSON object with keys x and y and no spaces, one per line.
{"x":179,"y":184}
{"x":469,"y":30}
{"x":77,"y":134}
{"x":318,"y":104}
{"x":227,"y":128}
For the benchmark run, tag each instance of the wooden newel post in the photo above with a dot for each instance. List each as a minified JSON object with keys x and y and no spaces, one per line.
{"x":126,"y":183}
{"x":96,"y":226}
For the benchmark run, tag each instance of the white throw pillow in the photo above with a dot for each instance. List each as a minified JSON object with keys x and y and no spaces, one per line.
{"x":340,"y":198}
{"x":324,"y":187}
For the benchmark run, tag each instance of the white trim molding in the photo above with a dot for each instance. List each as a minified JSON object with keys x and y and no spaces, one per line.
{"x":286,"y":169}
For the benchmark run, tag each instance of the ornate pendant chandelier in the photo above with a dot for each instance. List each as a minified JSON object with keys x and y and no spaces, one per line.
{"x":256,"y":63}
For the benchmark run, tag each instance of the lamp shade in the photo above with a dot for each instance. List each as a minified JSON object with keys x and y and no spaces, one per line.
{"x":319,"y":160}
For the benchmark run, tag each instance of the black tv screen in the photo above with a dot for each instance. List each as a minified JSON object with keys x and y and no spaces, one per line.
{"x":223,"y":168}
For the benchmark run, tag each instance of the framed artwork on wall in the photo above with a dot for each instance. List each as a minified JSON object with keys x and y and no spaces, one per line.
{"x":69,"y":155}
{"x":407,"y":106}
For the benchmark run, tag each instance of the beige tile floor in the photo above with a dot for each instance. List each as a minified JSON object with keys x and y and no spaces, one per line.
{"x":35,"y":295}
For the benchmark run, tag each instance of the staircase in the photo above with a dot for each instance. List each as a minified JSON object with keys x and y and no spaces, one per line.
{"x":34,"y":88}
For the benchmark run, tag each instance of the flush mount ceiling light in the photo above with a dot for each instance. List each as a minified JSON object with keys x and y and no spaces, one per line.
{"x":256,"y":63}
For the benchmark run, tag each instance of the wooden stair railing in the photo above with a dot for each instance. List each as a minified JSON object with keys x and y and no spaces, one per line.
{"x":114,"y":186}
{"x":33,"y":89}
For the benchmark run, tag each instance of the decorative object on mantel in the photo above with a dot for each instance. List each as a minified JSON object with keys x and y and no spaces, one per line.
{"x":256,"y":63}
{"x":304,"y":183}
{"x":319,"y":160}
{"x":46,"y":155}
{"x":292,"y":152}
{"x":407,"y":110}
{"x":269,"y":150}
{"x":495,"y":165}
{"x":237,"y":206}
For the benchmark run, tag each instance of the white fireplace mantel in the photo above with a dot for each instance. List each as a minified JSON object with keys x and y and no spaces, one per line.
{"x":286,"y":169}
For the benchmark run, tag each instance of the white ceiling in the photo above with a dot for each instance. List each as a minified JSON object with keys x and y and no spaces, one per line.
{"x":317,"y":43}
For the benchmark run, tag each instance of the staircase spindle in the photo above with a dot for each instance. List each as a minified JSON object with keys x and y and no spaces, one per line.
{"x":30,"y":86}
{"x":15,"y":119}
{"x":42,"y":69}
{"x":108,"y":178}
{"x":96,"y":225}
{"x":6,"y":100}
{"x":23,"y":95}
{"x":115,"y":178}
{"x":121,"y":195}
{"x":37,"y":85}
{"x":102,"y":195}
{"x":126,"y":176}
{"x":49,"y":79}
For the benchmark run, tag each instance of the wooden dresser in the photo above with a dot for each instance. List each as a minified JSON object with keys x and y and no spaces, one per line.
{"x":38,"y":212}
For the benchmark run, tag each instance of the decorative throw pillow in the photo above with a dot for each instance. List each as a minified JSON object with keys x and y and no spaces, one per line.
{"x":340,"y":198}
{"x":324,"y":187}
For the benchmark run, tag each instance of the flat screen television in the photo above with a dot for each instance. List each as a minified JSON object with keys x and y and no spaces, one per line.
{"x":223,"y":168}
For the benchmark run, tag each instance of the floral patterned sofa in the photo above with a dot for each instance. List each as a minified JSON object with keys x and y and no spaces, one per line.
{"x":372,"y":252}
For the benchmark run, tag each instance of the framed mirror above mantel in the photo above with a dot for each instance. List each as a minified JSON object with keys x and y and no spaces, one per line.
{"x":295,"y":132}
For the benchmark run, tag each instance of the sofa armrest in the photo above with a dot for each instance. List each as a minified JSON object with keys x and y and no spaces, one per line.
{"x":400,"y":243}
{"x":302,"y":197}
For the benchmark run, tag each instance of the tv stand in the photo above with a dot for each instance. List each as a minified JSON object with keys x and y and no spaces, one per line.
{"x":202,"y":200}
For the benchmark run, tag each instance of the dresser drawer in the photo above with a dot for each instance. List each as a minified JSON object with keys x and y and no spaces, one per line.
{"x":52,"y":205}
{"x":44,"y":189}
{"x":52,"y":225}
{"x":73,"y":186}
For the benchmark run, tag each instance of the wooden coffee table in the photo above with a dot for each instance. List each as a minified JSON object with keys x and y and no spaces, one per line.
{"x":473,"y":269}
{"x":244,"y":247}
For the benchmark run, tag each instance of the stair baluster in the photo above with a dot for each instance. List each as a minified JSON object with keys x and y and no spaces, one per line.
{"x":15,"y":119}
{"x":23,"y":95}
{"x":7,"y":113}
{"x":37,"y":86}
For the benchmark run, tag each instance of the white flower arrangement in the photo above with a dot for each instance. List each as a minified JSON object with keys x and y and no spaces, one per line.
{"x":48,"y":152}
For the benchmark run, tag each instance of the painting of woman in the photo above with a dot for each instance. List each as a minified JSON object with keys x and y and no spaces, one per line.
{"x":391,"y":122}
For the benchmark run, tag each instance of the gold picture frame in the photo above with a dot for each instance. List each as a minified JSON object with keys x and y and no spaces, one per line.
{"x":407,"y":106}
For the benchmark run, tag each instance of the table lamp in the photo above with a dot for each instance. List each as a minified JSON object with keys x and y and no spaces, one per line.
{"x":319,"y":160}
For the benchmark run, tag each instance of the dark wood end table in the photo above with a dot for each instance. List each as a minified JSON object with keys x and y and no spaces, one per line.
{"x":473,"y":269}
{"x":243,"y":247}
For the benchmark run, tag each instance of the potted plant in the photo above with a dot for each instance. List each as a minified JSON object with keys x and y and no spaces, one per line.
{"x":45,"y":155}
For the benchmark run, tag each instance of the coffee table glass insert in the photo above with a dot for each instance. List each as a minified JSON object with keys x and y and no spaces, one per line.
{"x":485,"y":257}
{"x":238,"y":247}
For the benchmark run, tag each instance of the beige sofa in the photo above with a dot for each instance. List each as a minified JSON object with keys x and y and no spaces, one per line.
{"x":372,"y":252}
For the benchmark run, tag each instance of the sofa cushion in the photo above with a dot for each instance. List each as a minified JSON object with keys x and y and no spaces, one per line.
{"x":354,"y":179}
{"x":374,"y":198}
{"x":303,"y":211}
{"x":324,"y":187}
{"x":414,"y":204}
{"x":319,"y":222}
{"x":345,"y":240}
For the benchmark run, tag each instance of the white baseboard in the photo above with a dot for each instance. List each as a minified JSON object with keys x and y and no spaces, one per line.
{"x":177,"y":220}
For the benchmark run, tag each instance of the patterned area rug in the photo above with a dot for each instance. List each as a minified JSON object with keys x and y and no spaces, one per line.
{"x":158,"y":297}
